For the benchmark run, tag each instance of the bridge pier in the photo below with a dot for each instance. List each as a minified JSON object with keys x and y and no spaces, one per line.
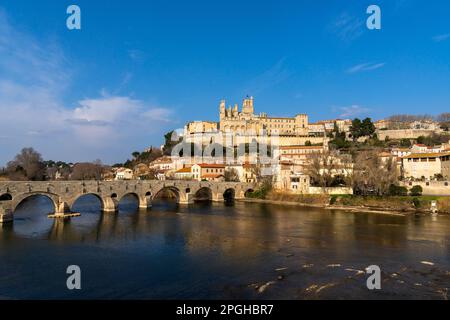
{"x":145,"y":202}
{"x":110,"y":205}
{"x":62,"y":210}
{"x":217,"y":197}
{"x":187,"y":199}
{"x":5,"y":214}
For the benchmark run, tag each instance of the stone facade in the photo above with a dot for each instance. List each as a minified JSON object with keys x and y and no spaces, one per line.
{"x":418,"y":165}
{"x":246,"y":123}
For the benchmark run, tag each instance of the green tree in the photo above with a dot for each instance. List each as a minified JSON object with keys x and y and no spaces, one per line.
{"x":416,"y":191}
{"x":367,"y":127}
{"x":395,"y":190}
{"x":406,"y":143}
{"x":355,"y":128}
{"x":136,"y":154}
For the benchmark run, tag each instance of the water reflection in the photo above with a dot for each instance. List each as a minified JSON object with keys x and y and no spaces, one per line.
{"x":207,"y":249}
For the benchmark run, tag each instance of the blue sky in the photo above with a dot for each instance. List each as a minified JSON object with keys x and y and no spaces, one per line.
{"x":138,"y":68}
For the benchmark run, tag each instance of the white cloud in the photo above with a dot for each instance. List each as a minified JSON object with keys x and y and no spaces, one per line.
{"x":33,"y":84}
{"x":347,"y":27}
{"x":441,"y":37}
{"x":352,"y":111}
{"x":370,"y":66}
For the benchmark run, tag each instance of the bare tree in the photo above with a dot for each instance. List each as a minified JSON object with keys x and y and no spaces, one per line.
{"x":231,"y":175}
{"x":443,"y":117}
{"x":372,"y":174}
{"x":328,"y":169}
{"x":87,"y":171}
{"x":27,"y":165}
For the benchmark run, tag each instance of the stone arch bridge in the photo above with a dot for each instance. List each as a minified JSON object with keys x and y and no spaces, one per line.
{"x":64,"y":193}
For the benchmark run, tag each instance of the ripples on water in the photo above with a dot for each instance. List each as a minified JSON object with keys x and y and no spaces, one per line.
{"x":228,"y":251}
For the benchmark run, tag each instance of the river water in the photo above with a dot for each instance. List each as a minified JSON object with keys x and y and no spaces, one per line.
{"x":222,"y":251}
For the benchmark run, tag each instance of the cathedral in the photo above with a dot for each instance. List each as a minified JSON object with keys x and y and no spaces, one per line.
{"x":246,"y":122}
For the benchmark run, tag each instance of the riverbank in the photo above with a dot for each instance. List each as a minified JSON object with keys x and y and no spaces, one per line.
{"x":383,"y":205}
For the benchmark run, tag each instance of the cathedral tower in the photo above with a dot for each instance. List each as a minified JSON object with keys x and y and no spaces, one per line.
{"x":247,"y":106}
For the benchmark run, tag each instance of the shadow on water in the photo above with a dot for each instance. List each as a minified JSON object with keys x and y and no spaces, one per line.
{"x":30,"y":217}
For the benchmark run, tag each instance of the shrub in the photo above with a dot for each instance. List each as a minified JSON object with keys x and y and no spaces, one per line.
{"x":333,"y":199}
{"x":416,"y":203}
{"x":395,"y":190}
{"x":416,"y":191}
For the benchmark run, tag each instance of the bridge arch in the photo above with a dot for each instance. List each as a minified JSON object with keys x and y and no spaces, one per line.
{"x":74,"y":201}
{"x":16,"y":201}
{"x":248,"y":192}
{"x":229,"y":194}
{"x":203,"y":194}
{"x":142,"y":200}
{"x":167,"y":192}
{"x":6,"y":197}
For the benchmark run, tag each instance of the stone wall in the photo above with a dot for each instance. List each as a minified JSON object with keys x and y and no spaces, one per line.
{"x":331,"y":191}
{"x":432,"y":188}
{"x":404,"y":134}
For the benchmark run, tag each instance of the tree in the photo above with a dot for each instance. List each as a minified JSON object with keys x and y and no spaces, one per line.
{"x":416,"y":191}
{"x":406,"y":143}
{"x":325,"y":169}
{"x":367,"y":127}
{"x":87,"y":171}
{"x":355,"y":128}
{"x":395,"y":190}
{"x":27,"y":165}
{"x":136,"y":154}
{"x":372,"y":175}
{"x":231,"y":175}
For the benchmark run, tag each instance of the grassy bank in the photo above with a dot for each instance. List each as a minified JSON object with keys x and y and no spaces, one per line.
{"x":383,"y":203}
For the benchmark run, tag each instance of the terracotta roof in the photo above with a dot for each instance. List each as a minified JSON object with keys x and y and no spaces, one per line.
{"x":210,"y":165}
{"x":184,"y":170}
{"x":427,"y":155}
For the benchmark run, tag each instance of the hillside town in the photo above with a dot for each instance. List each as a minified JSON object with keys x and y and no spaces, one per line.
{"x":336,"y":156}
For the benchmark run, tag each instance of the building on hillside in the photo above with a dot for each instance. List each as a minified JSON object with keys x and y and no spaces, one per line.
{"x":343,"y":125}
{"x":421,"y":148}
{"x":400,"y":152}
{"x":300,"y":156}
{"x":208,"y":172}
{"x":124,"y":174}
{"x":241,"y":122}
{"x":162,"y":163}
{"x":244,"y":126}
{"x":426,"y":165}
{"x":184,"y":174}
{"x":299,"y":183}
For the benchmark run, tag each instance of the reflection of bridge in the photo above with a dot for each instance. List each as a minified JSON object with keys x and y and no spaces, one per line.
{"x":63,"y":194}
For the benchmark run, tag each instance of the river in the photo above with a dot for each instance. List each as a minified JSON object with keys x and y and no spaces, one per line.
{"x":222,"y":251}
